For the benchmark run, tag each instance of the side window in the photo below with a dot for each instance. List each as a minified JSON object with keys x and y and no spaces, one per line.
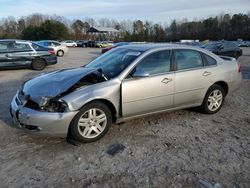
{"x":55,"y":44}
{"x":21,"y":47}
{"x":156,"y":63}
{"x":35,"y":46}
{"x":209,"y":61}
{"x":188,"y":59}
{"x":5,"y":46}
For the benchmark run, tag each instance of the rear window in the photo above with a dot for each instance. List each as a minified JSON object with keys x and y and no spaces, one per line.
{"x":188,"y":59}
{"x":38,"y":47}
{"x":209,"y":61}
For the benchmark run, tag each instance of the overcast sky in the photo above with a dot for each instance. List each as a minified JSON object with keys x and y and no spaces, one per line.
{"x":154,"y":10}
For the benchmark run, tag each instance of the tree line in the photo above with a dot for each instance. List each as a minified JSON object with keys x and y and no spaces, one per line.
{"x":41,"y":27}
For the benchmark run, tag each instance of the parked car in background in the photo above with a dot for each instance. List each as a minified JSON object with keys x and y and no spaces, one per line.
{"x":114,"y":46}
{"x":59,"y":48}
{"x":69,"y":43}
{"x":244,"y":44}
{"x":18,"y":53}
{"x":128,"y":82}
{"x":92,"y":43}
{"x":81,"y":43}
{"x":226,"y":48}
{"x":104,"y":44}
{"x":198,"y":44}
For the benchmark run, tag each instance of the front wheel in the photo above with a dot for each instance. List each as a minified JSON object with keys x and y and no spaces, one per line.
{"x":91,"y":123}
{"x":213,"y":100}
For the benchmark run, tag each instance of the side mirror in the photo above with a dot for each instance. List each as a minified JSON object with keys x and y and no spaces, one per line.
{"x":140,"y":74}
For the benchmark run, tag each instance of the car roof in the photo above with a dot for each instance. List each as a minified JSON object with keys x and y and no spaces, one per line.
{"x":167,"y":46}
{"x":47,"y":41}
{"x":146,"y":47}
{"x":13,"y":40}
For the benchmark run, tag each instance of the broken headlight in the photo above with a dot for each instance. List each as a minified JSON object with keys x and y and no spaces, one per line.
{"x":52,"y":105}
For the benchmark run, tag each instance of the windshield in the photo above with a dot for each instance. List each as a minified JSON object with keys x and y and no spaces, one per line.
{"x":114,"y":62}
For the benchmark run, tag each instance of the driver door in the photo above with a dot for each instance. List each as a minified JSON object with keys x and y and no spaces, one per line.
{"x":153,"y":90}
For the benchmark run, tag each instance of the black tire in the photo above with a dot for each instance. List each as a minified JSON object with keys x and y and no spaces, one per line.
{"x":38,"y":64}
{"x":60,"y":53}
{"x":74,"y":129}
{"x":204,"y":108}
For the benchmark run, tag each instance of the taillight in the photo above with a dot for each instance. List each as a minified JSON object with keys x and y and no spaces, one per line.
{"x":52,"y":52}
{"x":239,"y":67}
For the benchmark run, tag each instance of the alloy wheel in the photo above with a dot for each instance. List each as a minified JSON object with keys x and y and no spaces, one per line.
{"x":92,"y":123}
{"x":215,"y":100}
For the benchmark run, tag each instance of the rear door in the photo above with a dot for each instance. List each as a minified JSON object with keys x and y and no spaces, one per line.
{"x":154,"y":92}
{"x":191,"y":78}
{"x":22,"y":54}
{"x":5,"y":53}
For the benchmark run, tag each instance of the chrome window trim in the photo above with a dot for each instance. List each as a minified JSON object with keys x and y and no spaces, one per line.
{"x":184,"y":70}
{"x":151,"y":76}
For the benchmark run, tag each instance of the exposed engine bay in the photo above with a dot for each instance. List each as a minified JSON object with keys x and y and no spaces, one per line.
{"x":54,"y":103}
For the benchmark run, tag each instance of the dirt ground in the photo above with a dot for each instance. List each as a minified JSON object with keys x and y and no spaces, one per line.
{"x":177,"y":149}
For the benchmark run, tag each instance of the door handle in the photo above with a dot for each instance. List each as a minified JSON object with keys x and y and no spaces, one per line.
{"x":166,"y":80}
{"x":206,"y":73}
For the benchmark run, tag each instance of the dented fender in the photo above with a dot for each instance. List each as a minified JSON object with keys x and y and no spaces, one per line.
{"x":108,"y":90}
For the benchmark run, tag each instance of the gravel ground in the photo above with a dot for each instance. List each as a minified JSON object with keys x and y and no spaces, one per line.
{"x":177,"y":149}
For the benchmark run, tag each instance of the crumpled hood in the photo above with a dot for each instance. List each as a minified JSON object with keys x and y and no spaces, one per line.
{"x":54,"y":83}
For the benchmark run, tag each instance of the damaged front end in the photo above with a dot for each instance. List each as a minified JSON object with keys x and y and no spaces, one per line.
{"x":38,"y":106}
{"x":45,"y":94}
{"x":47,"y":104}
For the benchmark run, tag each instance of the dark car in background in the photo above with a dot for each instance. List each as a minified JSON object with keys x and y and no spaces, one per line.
{"x":244,"y":44}
{"x":81,"y":43}
{"x":25,"y":54}
{"x":225,"y":48}
{"x":92,"y":43}
{"x":114,"y":46}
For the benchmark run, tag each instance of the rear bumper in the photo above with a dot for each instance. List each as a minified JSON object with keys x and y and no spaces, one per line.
{"x":43,"y":123}
{"x":50,"y":60}
{"x":235,"y":83}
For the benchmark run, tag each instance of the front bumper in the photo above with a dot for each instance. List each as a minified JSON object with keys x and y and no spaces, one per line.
{"x":46,"y":123}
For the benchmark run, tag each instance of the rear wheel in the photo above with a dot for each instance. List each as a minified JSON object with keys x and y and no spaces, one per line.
{"x":91,"y":123}
{"x":38,"y":64}
{"x":60,"y":53}
{"x":213,"y":100}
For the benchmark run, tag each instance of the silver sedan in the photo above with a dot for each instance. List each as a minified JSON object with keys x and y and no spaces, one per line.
{"x":125,"y":83}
